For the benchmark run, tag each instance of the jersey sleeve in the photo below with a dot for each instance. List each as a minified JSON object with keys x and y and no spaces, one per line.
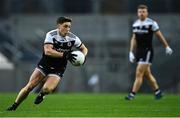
{"x":133,"y":27}
{"x":155,"y":26}
{"x":48,"y":39}
{"x":78,"y":42}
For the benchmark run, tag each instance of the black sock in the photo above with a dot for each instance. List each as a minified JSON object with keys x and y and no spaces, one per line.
{"x":42,"y":93}
{"x":133,"y":93}
{"x":16,"y":104}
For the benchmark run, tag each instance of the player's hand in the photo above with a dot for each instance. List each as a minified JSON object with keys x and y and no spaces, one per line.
{"x":69,"y":56}
{"x":169,"y":51}
{"x":131,"y":57}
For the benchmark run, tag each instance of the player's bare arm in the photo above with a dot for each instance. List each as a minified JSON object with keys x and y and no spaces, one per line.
{"x":133,"y":43}
{"x":132,"y":47}
{"x":161,"y":38}
{"x":83,"y":49}
{"x":48,"y":50}
{"x":164,"y":42}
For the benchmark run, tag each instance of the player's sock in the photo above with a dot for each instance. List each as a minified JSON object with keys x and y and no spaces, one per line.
{"x":39,"y":98}
{"x":130,"y":96}
{"x":13,"y":107}
{"x":158,"y":94}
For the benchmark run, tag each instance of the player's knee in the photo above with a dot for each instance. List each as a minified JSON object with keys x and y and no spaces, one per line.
{"x":48,"y":89}
{"x":139,"y":73}
{"x":148,"y":75}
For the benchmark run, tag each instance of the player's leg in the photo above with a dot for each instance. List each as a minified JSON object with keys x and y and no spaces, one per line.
{"x":153,"y":83}
{"x":140,"y":70}
{"x":151,"y":80}
{"x":35,"y":78}
{"x":49,"y":86}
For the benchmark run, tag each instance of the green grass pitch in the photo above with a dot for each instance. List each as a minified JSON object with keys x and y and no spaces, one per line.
{"x":92,"y":105}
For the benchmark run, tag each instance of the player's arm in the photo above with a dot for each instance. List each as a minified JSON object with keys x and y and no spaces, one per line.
{"x":49,"y":51}
{"x":83,"y":49}
{"x":133,"y":43}
{"x":161,"y":38}
{"x":80,"y":46}
{"x":163,"y":41}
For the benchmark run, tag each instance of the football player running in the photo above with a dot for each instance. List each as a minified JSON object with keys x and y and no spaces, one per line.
{"x":57,"y":51}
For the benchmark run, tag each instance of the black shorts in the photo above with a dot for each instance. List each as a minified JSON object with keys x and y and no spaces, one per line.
{"x":51,"y":70}
{"x":144,"y":56}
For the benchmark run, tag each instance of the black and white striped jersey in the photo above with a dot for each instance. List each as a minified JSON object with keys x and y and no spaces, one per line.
{"x":143,"y":31}
{"x":60,"y":44}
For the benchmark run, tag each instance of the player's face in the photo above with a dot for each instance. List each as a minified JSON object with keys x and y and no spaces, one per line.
{"x":142,"y":14}
{"x":64,"y":28}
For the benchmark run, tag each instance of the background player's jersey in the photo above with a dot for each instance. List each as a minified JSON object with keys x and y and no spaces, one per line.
{"x":143,"y":31}
{"x":60,"y":44}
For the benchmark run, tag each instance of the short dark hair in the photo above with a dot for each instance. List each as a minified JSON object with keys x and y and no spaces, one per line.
{"x":63,"y":19}
{"x":142,"y":7}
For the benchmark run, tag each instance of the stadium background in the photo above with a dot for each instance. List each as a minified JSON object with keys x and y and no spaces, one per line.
{"x":105,"y":28}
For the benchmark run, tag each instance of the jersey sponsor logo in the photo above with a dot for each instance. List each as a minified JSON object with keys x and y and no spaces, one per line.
{"x":62,"y":50}
{"x":62,"y":46}
{"x":140,"y":31}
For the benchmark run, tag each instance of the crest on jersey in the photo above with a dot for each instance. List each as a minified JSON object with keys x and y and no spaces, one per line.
{"x":69,"y":44}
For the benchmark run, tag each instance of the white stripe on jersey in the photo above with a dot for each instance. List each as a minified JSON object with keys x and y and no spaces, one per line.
{"x":146,"y":23}
{"x":55,"y":34}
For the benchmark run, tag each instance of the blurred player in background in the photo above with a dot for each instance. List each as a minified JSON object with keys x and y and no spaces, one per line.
{"x":57,"y":51}
{"x":141,"y":44}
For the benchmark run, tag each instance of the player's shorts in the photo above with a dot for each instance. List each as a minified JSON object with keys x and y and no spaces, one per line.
{"x":51,"y":71}
{"x":144,"y":56}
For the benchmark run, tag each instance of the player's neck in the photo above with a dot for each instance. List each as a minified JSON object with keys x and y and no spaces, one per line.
{"x":142,"y":19}
{"x":63,"y":35}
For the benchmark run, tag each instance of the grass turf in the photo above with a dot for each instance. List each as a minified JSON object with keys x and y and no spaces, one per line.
{"x":92,"y":105}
